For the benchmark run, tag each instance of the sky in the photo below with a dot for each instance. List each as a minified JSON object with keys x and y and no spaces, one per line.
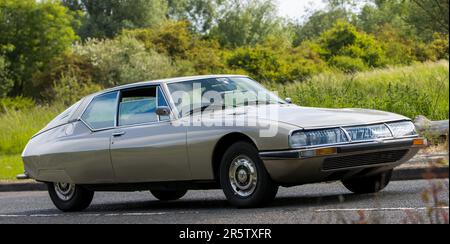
{"x":296,"y":9}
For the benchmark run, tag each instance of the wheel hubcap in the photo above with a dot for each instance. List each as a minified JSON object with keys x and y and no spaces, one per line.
{"x":243,"y":176}
{"x":64,"y":191}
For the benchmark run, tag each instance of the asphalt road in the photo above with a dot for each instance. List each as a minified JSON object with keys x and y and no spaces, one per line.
{"x":320,"y":203}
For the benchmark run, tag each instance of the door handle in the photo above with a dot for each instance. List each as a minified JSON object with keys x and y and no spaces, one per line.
{"x":119,"y":134}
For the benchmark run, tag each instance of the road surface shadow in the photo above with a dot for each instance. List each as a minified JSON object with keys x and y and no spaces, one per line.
{"x":192,"y":205}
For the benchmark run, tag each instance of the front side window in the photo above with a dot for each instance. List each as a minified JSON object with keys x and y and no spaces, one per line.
{"x":101,"y":112}
{"x":138,"y":106}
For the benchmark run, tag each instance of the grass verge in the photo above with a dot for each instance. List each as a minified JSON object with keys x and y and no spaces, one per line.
{"x":420,"y":89}
{"x":10,"y":166}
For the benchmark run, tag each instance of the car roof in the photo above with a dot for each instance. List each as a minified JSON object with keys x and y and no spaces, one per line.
{"x":168,"y":80}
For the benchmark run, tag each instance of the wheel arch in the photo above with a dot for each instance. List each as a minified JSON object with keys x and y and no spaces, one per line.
{"x":223,"y":144}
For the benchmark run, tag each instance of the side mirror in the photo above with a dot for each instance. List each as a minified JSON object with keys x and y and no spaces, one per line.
{"x":163,"y":111}
{"x":288,"y":100}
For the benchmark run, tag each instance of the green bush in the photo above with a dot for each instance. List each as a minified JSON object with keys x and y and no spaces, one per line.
{"x":70,"y":64}
{"x":207,"y":57}
{"x":268,"y":64}
{"x":303,"y":61}
{"x":69,"y":89}
{"x":191,"y":53}
{"x":439,"y":46}
{"x":399,"y":50}
{"x":124,"y":60}
{"x":171,"y":38}
{"x":348,"y":64}
{"x":15,"y":104}
{"x":345,"y":40}
{"x":261,"y":63}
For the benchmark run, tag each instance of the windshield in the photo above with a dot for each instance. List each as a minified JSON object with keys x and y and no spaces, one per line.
{"x":219,"y":93}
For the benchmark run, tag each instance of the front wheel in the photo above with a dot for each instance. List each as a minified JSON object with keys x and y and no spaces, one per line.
{"x":69,"y":197}
{"x":244,"y":179}
{"x":371,"y":184}
{"x":169,"y":195}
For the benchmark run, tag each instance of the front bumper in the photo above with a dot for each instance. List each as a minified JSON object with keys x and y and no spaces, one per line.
{"x":311,"y":165}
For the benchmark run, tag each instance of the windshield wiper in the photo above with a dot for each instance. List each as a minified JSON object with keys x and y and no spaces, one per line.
{"x":203,"y":108}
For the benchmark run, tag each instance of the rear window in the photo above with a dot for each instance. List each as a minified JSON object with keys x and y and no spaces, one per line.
{"x":101,"y":112}
{"x":63,"y":118}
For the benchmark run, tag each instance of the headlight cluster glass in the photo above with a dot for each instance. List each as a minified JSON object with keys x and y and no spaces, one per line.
{"x":325,"y":137}
{"x":318,"y":137}
{"x":403,"y":129}
{"x":366,"y":133}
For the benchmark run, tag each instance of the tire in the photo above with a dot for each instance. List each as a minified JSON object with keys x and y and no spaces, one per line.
{"x":234,"y":173}
{"x":169,"y":195}
{"x":77,"y":199}
{"x":371,"y":184}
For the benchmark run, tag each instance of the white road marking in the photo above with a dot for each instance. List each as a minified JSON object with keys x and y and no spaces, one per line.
{"x":377,"y":209}
{"x":143,"y":214}
{"x":11,"y":216}
{"x":88,"y":215}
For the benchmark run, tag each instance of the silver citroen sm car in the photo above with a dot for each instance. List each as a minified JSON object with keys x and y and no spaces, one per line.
{"x":198,"y":133}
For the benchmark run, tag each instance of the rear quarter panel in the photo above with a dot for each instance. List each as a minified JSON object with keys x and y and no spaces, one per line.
{"x":70,"y":153}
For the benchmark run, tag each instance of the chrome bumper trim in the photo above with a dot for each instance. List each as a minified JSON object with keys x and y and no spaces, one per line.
{"x":341,"y":149}
{"x":23,"y":176}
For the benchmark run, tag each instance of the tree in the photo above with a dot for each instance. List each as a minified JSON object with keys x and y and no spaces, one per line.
{"x":34,"y":34}
{"x":246,"y":22}
{"x":5,"y":82}
{"x":413,"y":19}
{"x":316,"y":24}
{"x":374,"y":17}
{"x":201,"y":14}
{"x":430,"y":16}
{"x":324,"y":19}
{"x":106,"y":18}
{"x":74,"y":5}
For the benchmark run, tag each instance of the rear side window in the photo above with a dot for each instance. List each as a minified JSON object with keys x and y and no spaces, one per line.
{"x":101,"y":112}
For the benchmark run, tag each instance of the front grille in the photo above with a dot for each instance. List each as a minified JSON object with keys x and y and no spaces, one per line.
{"x":364,"y":159}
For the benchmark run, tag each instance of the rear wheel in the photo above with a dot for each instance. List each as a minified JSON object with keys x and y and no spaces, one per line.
{"x":371,"y":184}
{"x":69,"y":197}
{"x":169,"y":195}
{"x":244,"y":179}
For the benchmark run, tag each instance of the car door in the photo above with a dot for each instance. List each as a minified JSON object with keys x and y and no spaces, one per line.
{"x":89,"y":160}
{"x":146,"y":147}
